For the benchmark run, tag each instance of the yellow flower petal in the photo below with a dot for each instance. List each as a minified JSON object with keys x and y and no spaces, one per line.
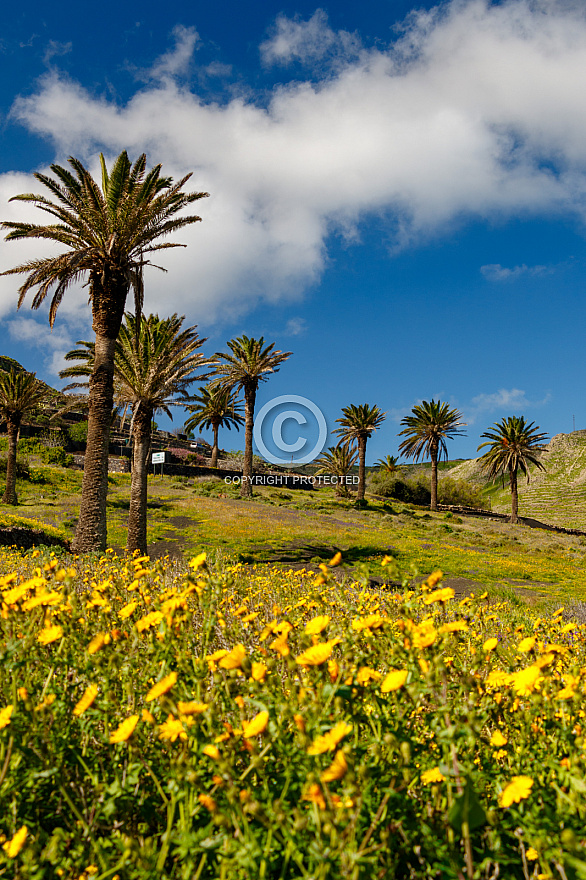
{"x":256,"y":726}
{"x":125,"y":730}
{"x":394,"y":680}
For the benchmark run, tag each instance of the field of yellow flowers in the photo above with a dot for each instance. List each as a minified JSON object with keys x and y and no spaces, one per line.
{"x":237,"y":722}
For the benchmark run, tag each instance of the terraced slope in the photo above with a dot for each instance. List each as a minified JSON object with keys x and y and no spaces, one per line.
{"x":556,"y":495}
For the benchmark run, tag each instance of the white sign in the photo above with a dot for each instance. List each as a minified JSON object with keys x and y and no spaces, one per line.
{"x":158,"y":458}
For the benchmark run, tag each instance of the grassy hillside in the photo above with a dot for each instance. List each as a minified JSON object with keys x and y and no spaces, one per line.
{"x":556,"y":495}
{"x":301,"y":529}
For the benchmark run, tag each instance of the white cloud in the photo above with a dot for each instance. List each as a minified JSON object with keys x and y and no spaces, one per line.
{"x":295,"y":327}
{"x":477,"y":110}
{"x":53,"y":345}
{"x":504,"y":402}
{"x":496,"y":272}
{"x":55,"y":49}
{"x":292,"y":39}
{"x":178,"y":60}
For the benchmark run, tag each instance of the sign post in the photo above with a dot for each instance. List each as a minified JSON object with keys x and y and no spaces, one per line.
{"x":158,"y":458}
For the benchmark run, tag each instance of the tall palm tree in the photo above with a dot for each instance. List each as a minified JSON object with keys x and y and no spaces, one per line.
{"x":426,"y":432}
{"x":155,"y":362}
{"x":513,"y":446}
{"x":20,"y":394}
{"x":357,"y":425}
{"x":248,"y":364}
{"x":106,"y":234}
{"x":338,"y":461}
{"x":388,"y":464}
{"x":214,"y":408}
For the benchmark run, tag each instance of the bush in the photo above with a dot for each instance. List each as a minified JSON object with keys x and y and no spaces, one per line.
{"x":451,"y":491}
{"x":56,"y":455}
{"x":406,"y":490}
{"x":78,"y":432}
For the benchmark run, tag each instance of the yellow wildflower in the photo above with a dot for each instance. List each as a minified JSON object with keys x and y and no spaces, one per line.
{"x":497,"y":679}
{"x":14,"y":846}
{"x":256,"y":726}
{"x":259,"y":671}
{"x":125,"y":730}
{"x":434,"y":578}
{"x":336,"y":770}
{"x":233,"y":660}
{"x":497,"y":739}
{"x":454,"y":626}
{"x":280,"y":645}
{"x":48,"y":701}
{"x":532,"y":854}
{"x":198,"y":561}
{"x":327,"y":742}
{"x":192,"y":708}
{"x":333,"y":670}
{"x":434,"y":775}
{"x":5,"y":714}
{"x":90,"y":694}
{"x":366,"y":674}
{"x":394,"y":680}
{"x":315,"y":795}
{"x":526,"y":645}
{"x":212,"y":752}
{"x":22,"y":693}
{"x":98,"y":642}
{"x":172,"y":729}
{"x":443,"y":595}
{"x":317,"y":654}
{"x":207,"y":802}
{"x":127,"y":610}
{"x":317,"y":624}
{"x":424,"y":635}
{"x":526,"y":680}
{"x":50,"y":634}
{"x":147,"y":716}
{"x":517,"y":790}
{"x":335,"y":560}
{"x":151,"y":619}
{"x":162,"y":687}
{"x":490,"y":645}
{"x":371,"y":621}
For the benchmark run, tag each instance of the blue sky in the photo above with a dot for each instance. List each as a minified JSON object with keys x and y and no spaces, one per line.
{"x":397,"y":193}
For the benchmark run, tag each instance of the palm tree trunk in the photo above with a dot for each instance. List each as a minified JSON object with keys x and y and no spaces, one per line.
{"x":137,"y":515}
{"x":361,"y":468}
{"x":214,"y":462}
{"x":433,"y":455}
{"x":108,"y":299}
{"x":514,"y":497}
{"x":249,"y":404}
{"x":12,"y":428}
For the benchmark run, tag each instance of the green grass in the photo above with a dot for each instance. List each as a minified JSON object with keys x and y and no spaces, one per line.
{"x":300,"y":528}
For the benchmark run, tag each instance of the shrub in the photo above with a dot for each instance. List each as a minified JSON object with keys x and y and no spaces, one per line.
{"x":78,"y":432}
{"x":56,"y":455}
{"x":410,"y":491}
{"x":452,"y":491}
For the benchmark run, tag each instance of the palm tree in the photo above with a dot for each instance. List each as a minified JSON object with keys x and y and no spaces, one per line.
{"x":338,"y":461}
{"x":426,"y":432}
{"x":105,"y":234}
{"x":357,"y":424}
{"x":155,"y":362}
{"x":389,"y":464}
{"x":20,"y":393}
{"x":513,"y":445}
{"x":248,"y":364}
{"x":214,"y":408}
